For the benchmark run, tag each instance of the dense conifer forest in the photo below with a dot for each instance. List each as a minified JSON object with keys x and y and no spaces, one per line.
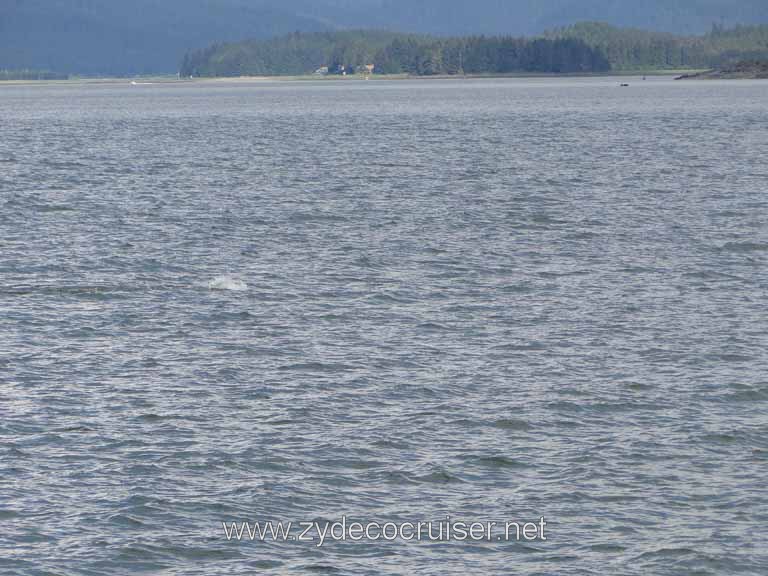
{"x":589,"y":47}
{"x":633,"y":49}
{"x":389,"y":53}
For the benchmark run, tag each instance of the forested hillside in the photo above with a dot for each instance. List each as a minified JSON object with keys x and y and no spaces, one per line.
{"x":394,"y":54}
{"x":584,"y":47}
{"x":292,"y":54}
{"x":629,"y":49}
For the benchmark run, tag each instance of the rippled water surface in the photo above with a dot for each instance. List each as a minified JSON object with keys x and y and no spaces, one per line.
{"x":494,"y":300}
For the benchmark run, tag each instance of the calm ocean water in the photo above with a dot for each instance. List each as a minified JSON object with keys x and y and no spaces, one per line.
{"x":395,"y":301}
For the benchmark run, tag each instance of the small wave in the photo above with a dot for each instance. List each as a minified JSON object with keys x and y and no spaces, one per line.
{"x":497,"y":462}
{"x":711,"y":275}
{"x":16,"y":453}
{"x":315,"y":367}
{"x":512,"y":424}
{"x":722,"y":438}
{"x":54,"y":208}
{"x":523,"y":347}
{"x":322,"y":569}
{"x":227,"y":283}
{"x":730,"y":357}
{"x":523,"y":288}
{"x":542,"y":218}
{"x":585,"y":235}
{"x":266,"y":564}
{"x":667,"y":553}
{"x":758,"y":454}
{"x":567,"y":274}
{"x":606,"y":548}
{"x":438,"y":476}
{"x":77,"y":429}
{"x":64,"y":164}
{"x":745,"y":247}
{"x":749,"y":394}
{"x":85,"y":290}
{"x":126,"y":521}
{"x":301,"y":217}
{"x":382,"y":298}
{"x":433,"y":327}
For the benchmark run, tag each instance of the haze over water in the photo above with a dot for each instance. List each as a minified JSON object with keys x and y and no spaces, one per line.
{"x":495,"y":300}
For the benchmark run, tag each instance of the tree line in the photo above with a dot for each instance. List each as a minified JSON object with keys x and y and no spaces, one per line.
{"x":587,"y":47}
{"x":489,"y":55}
{"x":391,"y":53}
{"x":632,"y":49}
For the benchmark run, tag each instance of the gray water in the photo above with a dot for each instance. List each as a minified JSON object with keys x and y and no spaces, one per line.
{"x":395,"y":301}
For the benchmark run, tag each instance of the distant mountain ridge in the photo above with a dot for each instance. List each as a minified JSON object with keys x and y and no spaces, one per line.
{"x":151,"y":36}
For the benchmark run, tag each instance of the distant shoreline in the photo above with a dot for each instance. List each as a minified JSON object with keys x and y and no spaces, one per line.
{"x":152,"y":80}
{"x":746,"y":70}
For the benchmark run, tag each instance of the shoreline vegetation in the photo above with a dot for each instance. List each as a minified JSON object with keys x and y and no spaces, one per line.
{"x":368,"y":52}
{"x":746,"y":70}
{"x":175,"y":79}
{"x":630,"y":48}
{"x":584,"y":48}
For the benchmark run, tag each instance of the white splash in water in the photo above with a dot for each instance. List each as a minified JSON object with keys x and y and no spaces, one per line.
{"x":227,"y":283}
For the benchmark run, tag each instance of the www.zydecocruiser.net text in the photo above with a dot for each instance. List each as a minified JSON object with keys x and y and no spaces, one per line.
{"x":345,"y":530}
